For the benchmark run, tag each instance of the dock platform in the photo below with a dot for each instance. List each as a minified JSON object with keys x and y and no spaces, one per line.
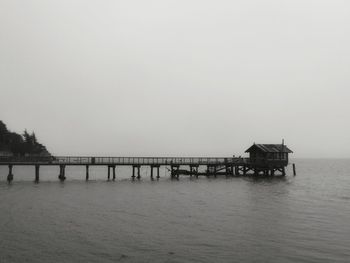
{"x":213,"y":166}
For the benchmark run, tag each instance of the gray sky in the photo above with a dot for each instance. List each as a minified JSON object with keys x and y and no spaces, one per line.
{"x":177,"y":77}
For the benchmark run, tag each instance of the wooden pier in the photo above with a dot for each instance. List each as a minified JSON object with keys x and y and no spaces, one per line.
{"x":264,"y":160}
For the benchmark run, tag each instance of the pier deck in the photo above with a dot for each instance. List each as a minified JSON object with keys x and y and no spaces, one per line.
{"x":79,"y":160}
{"x":229,"y":166}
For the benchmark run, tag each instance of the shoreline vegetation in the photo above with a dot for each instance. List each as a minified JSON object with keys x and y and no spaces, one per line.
{"x":14,"y":144}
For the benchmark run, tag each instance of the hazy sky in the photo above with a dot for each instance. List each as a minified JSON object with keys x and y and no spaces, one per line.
{"x":177,"y":77}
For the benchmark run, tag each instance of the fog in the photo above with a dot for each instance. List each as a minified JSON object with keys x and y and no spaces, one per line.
{"x":177,"y":78}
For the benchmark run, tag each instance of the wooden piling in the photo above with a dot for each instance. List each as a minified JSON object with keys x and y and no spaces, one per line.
{"x":87,"y":173}
{"x":10,"y":175}
{"x":113,"y":172}
{"x":151,"y":172}
{"x":37,"y":168}
{"x":158,"y":176}
{"x":283,"y":171}
{"x":227,"y":170}
{"x":138,"y":173}
{"x":62,"y":175}
{"x":237,"y":170}
{"x":294,"y":171}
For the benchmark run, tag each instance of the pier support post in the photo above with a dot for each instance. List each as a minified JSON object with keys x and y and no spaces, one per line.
{"x":294,"y":171}
{"x":37,"y":168}
{"x":175,"y":171}
{"x":87,"y":173}
{"x":227,"y":170}
{"x":172,"y":171}
{"x":152,"y":172}
{"x":133,"y":172}
{"x":109,"y":172}
{"x":113,"y":172}
{"x":62,"y":175}
{"x":158,"y":176}
{"x":237,"y":170}
{"x":138,"y":173}
{"x":283,"y":171}
{"x":10,"y":175}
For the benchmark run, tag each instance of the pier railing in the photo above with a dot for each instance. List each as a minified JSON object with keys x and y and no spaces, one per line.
{"x":80,"y":160}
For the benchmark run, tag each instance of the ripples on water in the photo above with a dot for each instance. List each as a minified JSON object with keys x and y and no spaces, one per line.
{"x":293,"y":219}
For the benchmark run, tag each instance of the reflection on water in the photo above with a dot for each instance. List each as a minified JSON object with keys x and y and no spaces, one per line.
{"x":253,"y":219}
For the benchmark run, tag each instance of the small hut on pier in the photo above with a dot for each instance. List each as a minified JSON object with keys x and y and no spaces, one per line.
{"x":268,"y":155}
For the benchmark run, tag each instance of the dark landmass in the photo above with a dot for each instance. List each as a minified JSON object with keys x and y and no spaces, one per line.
{"x":25,"y":144}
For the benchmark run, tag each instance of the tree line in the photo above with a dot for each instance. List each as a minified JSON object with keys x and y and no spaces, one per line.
{"x":20,"y":144}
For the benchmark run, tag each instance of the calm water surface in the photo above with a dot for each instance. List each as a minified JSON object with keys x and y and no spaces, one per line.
{"x":293,"y":219}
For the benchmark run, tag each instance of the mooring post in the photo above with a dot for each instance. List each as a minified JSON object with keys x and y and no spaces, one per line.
{"x":294,"y":171}
{"x":62,"y":176}
{"x":10,"y":175}
{"x":87,"y":173}
{"x":158,"y":176}
{"x":113,"y":172}
{"x":37,"y":167}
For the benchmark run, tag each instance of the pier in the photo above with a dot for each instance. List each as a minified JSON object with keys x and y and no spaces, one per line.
{"x":264,"y":160}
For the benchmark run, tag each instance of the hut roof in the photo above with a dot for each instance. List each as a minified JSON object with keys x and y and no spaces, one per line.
{"x":270,"y":148}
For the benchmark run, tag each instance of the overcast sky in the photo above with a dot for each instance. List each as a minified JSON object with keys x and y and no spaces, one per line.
{"x":177,"y":77}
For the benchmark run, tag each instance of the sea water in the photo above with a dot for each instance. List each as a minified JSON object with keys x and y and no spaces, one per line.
{"x":305,"y":218}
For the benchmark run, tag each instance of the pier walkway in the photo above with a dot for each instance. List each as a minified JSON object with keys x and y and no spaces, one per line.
{"x":229,"y":166}
{"x":78,"y":160}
